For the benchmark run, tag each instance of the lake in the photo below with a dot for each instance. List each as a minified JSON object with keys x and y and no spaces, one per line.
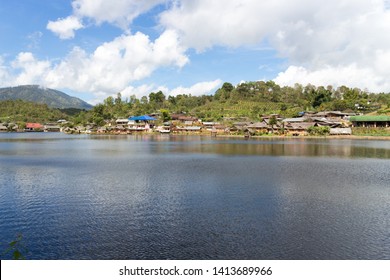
{"x":193,"y":197}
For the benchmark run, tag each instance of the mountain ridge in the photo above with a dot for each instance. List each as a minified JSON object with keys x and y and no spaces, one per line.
{"x":38,"y":94}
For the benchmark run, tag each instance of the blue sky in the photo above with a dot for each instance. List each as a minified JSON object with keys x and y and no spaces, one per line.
{"x":95,"y":48}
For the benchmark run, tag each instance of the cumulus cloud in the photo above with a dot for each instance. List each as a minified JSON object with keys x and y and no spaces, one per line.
{"x":197,"y":89}
{"x":30,"y":70}
{"x":314,"y":38}
{"x":113,"y":65}
{"x":117,"y":12}
{"x":205,"y":23}
{"x":201,"y":88}
{"x":142,"y":90}
{"x":328,"y":42}
{"x":351,"y":75}
{"x":65,"y":27}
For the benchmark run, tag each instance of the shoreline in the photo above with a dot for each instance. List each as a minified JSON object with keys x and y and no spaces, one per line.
{"x":355,"y":137}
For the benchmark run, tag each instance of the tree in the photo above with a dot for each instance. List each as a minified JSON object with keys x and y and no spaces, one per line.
{"x":227,"y":87}
{"x":321,"y":95}
{"x":157,"y":97}
{"x":165,"y":115}
{"x":172,"y":100}
{"x":118,"y":99}
{"x":273,"y":121}
{"x":144,"y":100}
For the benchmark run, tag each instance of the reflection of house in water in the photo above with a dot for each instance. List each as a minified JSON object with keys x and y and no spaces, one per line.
{"x":370,"y":121}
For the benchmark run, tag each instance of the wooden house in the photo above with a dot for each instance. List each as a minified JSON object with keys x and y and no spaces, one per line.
{"x":3,"y":128}
{"x":298,"y":128}
{"x":51,"y":128}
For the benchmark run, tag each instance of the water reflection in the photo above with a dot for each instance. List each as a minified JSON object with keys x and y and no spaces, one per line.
{"x":174,"y":197}
{"x":300,"y":147}
{"x":20,"y":144}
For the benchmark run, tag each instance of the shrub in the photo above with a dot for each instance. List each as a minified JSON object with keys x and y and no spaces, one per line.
{"x":318,"y":130}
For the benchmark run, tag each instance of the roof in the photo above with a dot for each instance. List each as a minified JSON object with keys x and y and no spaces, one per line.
{"x":52,"y":126}
{"x":370,"y":119}
{"x":193,"y":128}
{"x":34,"y":125}
{"x":187,"y":118}
{"x":142,"y":118}
{"x":301,"y":119}
{"x":122,"y":120}
{"x":300,"y":126}
{"x":258,"y":125}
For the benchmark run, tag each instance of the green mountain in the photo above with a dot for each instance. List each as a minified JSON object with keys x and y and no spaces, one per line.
{"x":34,"y":93}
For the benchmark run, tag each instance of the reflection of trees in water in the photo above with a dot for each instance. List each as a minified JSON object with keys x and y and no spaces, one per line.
{"x":299,"y":147}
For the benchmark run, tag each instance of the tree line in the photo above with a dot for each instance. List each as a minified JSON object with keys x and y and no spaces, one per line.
{"x":248,"y":99}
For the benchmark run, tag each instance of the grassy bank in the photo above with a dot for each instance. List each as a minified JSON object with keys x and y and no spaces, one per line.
{"x":371,"y":131}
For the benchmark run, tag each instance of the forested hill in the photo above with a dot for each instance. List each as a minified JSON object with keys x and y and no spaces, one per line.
{"x":50,"y":97}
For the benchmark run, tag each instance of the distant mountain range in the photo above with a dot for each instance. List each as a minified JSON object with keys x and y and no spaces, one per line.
{"x":34,"y":93}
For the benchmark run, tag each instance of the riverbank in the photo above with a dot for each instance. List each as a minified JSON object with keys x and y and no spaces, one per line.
{"x":357,"y":137}
{"x":354,"y":137}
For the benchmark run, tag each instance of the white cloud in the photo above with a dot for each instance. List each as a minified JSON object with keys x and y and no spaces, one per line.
{"x":113,"y":65}
{"x":201,"y":88}
{"x":322,"y":38}
{"x":117,"y":12}
{"x":143,"y":90}
{"x":328,"y":42}
{"x":351,"y":75}
{"x":205,"y":23}
{"x":197,"y":89}
{"x":30,"y":69}
{"x":65,"y":27}
{"x":208,"y":87}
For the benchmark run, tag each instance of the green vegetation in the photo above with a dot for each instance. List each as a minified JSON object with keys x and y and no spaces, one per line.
{"x":15,"y":250}
{"x":34,"y":93}
{"x":250,"y":100}
{"x":18,"y":111}
{"x":370,"y":131}
{"x":318,"y":130}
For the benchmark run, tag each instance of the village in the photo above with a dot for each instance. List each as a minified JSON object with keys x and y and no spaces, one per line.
{"x":308,"y":123}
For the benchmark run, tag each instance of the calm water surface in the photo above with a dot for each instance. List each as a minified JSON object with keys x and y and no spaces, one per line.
{"x":167,"y":197}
